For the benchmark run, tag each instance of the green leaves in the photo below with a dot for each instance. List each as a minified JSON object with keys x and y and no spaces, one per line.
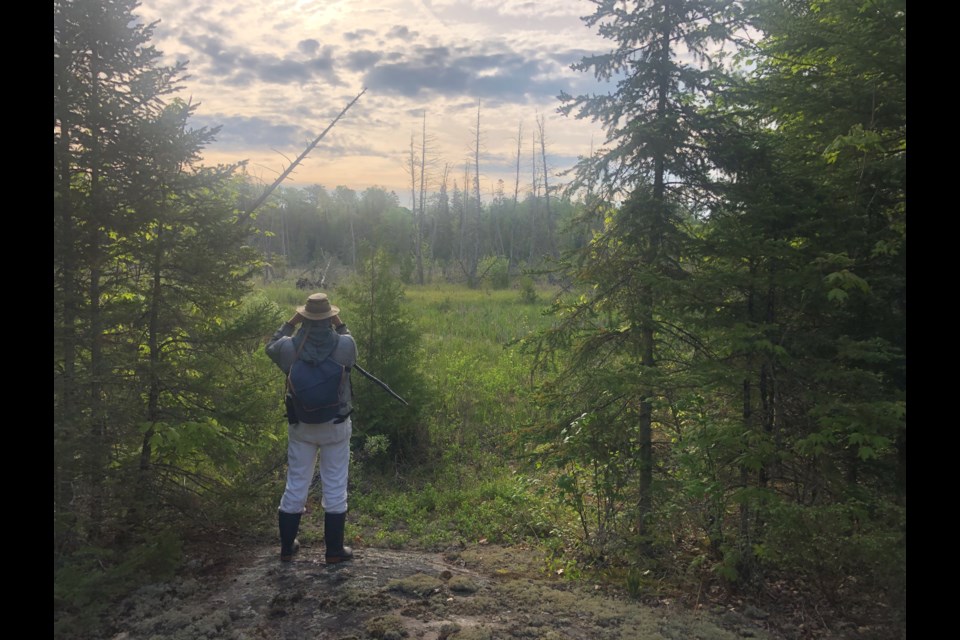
{"x":859,"y":140}
{"x":840,"y":282}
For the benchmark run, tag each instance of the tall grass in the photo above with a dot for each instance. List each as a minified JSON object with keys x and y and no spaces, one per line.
{"x":478,"y":382}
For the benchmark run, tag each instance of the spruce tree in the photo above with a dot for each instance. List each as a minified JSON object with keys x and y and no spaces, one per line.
{"x":389,"y":347}
{"x":646,"y":185}
{"x":814,"y":234}
{"x":151,"y":404}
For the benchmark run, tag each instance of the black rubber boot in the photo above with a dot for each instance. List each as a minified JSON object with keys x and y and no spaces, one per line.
{"x":289,"y":525}
{"x":333,"y":524}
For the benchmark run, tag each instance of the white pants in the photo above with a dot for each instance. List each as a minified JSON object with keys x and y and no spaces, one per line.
{"x":304,"y":442}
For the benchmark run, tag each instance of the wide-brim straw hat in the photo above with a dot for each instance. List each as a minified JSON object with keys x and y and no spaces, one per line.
{"x":318,"y":307}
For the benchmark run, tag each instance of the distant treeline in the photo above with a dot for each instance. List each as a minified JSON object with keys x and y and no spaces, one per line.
{"x":303,"y":227}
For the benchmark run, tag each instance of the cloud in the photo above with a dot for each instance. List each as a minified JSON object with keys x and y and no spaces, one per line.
{"x":402,"y":33}
{"x":221,"y":58}
{"x":498,"y":75}
{"x":308,"y":46}
{"x":410,"y":79}
{"x":272,"y":89}
{"x":433,"y":55}
{"x":362,"y":60}
{"x":323,"y":64}
{"x":570,"y":56}
{"x":359,"y":34}
{"x":488,"y":11}
{"x":240,"y":133}
{"x":237,"y":66}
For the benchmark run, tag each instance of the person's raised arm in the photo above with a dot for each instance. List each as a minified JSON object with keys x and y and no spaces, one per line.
{"x":339,"y":325}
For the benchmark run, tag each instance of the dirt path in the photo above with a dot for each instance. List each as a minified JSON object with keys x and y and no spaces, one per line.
{"x":477,"y":593}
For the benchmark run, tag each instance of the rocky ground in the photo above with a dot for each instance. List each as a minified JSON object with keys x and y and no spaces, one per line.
{"x":477,"y":592}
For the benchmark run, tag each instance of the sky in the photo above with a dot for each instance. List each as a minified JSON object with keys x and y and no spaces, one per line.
{"x":273,"y":74}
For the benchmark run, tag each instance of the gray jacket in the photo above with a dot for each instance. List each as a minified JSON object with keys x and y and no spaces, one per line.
{"x":280,"y":349}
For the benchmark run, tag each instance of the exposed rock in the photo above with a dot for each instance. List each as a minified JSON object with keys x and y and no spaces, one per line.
{"x":480,"y":593}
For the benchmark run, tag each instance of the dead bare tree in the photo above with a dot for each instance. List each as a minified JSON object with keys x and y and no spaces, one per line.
{"x":442,"y":207}
{"x":241,"y":219}
{"x":516,"y":195}
{"x":412,"y":168}
{"x":551,"y":240}
{"x":534,"y":199}
{"x":475,"y":253}
{"x":464,"y":196}
{"x":423,"y":176}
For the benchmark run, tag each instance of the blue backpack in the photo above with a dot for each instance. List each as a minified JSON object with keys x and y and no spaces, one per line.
{"x":315,"y":389}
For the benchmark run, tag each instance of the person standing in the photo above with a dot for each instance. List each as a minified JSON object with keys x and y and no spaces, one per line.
{"x":321,"y":335}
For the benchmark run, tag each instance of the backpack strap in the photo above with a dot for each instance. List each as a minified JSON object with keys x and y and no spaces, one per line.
{"x":295,"y":358}
{"x":302,"y":344}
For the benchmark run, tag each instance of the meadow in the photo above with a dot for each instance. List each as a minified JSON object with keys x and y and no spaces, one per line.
{"x":475,"y":484}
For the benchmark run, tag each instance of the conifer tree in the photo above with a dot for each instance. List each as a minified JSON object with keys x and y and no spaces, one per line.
{"x":813,"y":239}
{"x":107,"y":83}
{"x":374,"y":302}
{"x":650,"y":178}
{"x":150,"y":267}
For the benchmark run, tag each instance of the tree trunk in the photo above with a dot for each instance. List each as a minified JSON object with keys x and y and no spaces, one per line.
{"x":475,"y":255}
{"x":353,"y":239}
{"x":516,"y":199}
{"x":65,"y":332}
{"x":97,"y":446}
{"x":646,"y":430}
{"x":551,"y":240}
{"x":650,"y":258}
{"x":153,"y":377}
{"x":423,"y":171}
{"x":535,"y":197}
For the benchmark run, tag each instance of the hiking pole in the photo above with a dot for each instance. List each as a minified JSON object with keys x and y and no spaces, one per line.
{"x":380,"y":383}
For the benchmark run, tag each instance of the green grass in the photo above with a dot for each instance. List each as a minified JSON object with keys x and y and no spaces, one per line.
{"x":453,"y":316}
{"x":435,"y":515}
{"x":286,"y":295}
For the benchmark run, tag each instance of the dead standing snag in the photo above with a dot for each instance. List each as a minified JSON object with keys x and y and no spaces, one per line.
{"x":293,"y":165}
